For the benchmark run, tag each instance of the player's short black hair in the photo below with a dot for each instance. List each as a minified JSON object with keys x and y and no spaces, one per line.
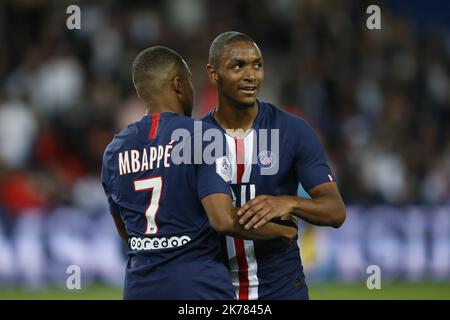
{"x":219,"y":43}
{"x":149,"y":64}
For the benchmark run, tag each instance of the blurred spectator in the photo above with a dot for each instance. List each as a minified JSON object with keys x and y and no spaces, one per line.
{"x":379,"y":99}
{"x":18,"y":128}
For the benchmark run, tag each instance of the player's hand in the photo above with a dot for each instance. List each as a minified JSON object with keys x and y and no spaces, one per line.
{"x":263,"y":208}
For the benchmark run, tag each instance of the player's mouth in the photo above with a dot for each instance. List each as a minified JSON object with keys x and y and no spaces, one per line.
{"x":248,"y":90}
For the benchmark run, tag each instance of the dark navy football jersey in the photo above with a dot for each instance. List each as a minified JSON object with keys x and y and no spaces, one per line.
{"x":173,"y":251}
{"x":280,"y":152}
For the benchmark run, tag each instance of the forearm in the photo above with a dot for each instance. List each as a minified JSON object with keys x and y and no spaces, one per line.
{"x":321,"y":211}
{"x":269,"y":231}
{"x":223,"y":218}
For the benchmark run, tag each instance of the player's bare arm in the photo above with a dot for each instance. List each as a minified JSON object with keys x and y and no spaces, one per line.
{"x":120,"y":226}
{"x":223,"y":218}
{"x":326,"y":208}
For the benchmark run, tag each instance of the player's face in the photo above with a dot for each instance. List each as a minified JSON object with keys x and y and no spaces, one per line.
{"x":240,"y":73}
{"x":188,"y":93}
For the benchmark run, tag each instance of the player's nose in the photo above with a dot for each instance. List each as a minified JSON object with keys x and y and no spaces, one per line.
{"x":250,"y":77}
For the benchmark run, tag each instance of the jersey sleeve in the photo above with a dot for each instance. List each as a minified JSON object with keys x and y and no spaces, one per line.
{"x":214,"y":175}
{"x":214,"y":178}
{"x":107,"y":185}
{"x":310,"y":160}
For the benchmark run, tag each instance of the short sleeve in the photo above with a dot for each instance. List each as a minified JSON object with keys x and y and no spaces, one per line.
{"x":106,"y":183}
{"x":310,"y":160}
{"x":214,"y":178}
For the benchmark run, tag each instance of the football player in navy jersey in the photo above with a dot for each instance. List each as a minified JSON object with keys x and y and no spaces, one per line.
{"x":168,"y":213}
{"x":274,"y":152}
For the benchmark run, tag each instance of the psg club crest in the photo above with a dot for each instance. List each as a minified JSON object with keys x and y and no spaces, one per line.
{"x":223,"y":168}
{"x":266,"y":159}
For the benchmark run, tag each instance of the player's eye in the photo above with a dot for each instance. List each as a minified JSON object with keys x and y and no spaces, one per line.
{"x":258,"y":65}
{"x":236,"y":67}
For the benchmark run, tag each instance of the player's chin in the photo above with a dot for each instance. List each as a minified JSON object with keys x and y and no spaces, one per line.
{"x":247,"y":101}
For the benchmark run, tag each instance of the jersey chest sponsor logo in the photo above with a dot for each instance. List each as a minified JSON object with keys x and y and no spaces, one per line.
{"x":266,"y":159}
{"x":138,"y":244}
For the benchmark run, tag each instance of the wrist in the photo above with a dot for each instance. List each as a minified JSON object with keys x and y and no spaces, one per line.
{"x":292,"y":203}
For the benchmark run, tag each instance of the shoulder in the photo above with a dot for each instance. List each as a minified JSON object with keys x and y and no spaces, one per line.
{"x":126,"y":138}
{"x":119,"y":142}
{"x":190,"y":125}
{"x":195,"y":126}
{"x":290,"y":123}
{"x":299,"y":137}
{"x":207,"y":118}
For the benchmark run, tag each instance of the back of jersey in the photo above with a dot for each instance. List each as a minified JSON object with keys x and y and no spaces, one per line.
{"x":173,"y":251}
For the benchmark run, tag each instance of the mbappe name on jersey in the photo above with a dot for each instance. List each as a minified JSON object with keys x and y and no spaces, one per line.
{"x":132,"y":161}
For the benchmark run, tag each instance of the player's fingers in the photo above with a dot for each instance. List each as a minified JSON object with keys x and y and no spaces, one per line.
{"x":250,"y":213}
{"x":250,"y":204}
{"x":261,"y":215}
{"x":264,"y":220}
{"x":247,"y":206}
{"x":243,"y":209}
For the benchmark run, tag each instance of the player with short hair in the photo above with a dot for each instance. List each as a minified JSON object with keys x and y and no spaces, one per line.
{"x":266,"y":176}
{"x":167,"y":212}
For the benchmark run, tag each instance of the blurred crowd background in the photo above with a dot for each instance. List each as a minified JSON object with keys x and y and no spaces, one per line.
{"x":379,"y":99}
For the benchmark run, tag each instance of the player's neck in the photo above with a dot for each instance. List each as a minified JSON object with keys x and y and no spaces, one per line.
{"x":157,"y":106}
{"x":230,"y":116}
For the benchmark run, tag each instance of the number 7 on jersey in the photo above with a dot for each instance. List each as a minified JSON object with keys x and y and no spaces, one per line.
{"x":154,"y":184}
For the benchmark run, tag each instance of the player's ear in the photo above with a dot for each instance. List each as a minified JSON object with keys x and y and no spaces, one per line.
{"x":212,"y":74}
{"x":177,"y":84}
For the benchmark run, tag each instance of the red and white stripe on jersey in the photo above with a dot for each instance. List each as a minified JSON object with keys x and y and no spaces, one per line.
{"x":241,"y":253}
{"x":153,"y":126}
